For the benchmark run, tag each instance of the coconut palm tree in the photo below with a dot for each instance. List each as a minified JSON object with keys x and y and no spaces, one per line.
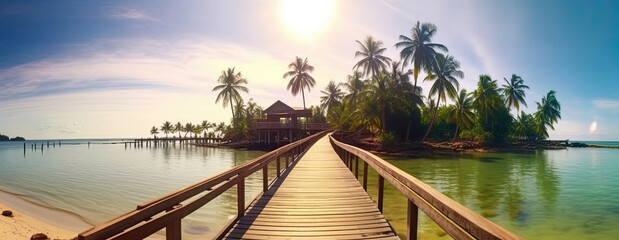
{"x":445,"y":77}
{"x":462,"y":112}
{"x":167,"y":128}
{"x":197,"y":129}
{"x":333,"y":95}
{"x":221,"y":128}
{"x":486,"y":98}
{"x":189,"y":127}
{"x":230,"y":85}
{"x":548,"y":113}
{"x":206,"y":126}
{"x":514,"y":91}
{"x":372,"y":60}
{"x":354,"y":86}
{"x":419,"y":49}
{"x":378,"y":91}
{"x":154,"y":131}
{"x":522,"y":127}
{"x":178,"y":127}
{"x":301,"y":79}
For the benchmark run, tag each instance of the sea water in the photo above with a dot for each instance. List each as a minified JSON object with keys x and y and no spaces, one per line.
{"x":544,"y":194}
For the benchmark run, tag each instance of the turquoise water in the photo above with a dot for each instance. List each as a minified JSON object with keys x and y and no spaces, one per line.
{"x":601,"y":143}
{"x":555,"y":194}
{"x":558,"y":194}
{"x":103,"y":180}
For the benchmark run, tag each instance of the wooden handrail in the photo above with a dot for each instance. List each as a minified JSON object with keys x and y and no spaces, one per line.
{"x":457,"y":220}
{"x":168,"y":210}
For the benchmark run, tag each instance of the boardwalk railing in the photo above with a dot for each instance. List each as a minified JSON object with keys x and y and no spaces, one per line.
{"x":458,"y":221}
{"x":168,"y":210}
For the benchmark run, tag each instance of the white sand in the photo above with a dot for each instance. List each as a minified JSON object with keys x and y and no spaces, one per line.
{"x":21,"y":226}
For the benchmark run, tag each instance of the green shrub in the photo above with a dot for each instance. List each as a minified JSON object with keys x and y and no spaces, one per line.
{"x":476,"y":134}
{"x":388,"y":138}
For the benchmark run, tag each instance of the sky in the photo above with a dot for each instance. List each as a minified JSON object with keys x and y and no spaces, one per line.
{"x":98,"y":69}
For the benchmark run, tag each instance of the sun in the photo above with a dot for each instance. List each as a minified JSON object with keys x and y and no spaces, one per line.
{"x":306,"y":17}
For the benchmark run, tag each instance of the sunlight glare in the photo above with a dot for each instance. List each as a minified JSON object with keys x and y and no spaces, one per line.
{"x":593,"y":127}
{"x":306,"y":17}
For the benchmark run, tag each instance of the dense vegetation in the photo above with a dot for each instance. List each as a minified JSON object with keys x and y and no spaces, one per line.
{"x":379,"y":98}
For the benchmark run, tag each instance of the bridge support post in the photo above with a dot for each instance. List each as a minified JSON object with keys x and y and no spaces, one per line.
{"x":412,"y":218}
{"x":365,"y":176}
{"x":278,"y":167}
{"x":173,"y":231}
{"x":357,"y":167}
{"x":265,"y":178}
{"x":381,"y":188}
{"x":240,"y":192}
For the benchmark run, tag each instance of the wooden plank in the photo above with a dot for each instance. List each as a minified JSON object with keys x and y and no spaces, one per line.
{"x":320,"y":198}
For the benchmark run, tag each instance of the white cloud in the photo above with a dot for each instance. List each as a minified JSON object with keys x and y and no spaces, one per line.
{"x":606,"y":103}
{"x":130,"y":14}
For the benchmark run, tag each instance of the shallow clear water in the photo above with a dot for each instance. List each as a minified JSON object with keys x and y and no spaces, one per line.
{"x":558,"y":194}
{"x":103,"y":180}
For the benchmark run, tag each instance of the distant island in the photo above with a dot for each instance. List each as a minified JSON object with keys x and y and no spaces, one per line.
{"x":6,"y":138}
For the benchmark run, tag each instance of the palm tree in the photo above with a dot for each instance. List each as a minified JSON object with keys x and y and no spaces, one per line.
{"x":514,"y":91}
{"x":486,"y":98}
{"x":418,"y":49}
{"x":354,"y":86}
{"x":178,"y":127}
{"x":205,"y":126}
{"x":221,"y":128}
{"x":154,"y":131}
{"x":548,"y":113}
{"x":523,"y":125}
{"x":197,"y":129}
{"x":230,"y":85}
{"x":189,"y":127}
{"x":378,"y":92}
{"x":462,"y":113}
{"x":167,"y":128}
{"x":333,"y":95}
{"x":445,"y":82}
{"x":408,"y":96}
{"x":300,"y":70}
{"x":372,"y":60}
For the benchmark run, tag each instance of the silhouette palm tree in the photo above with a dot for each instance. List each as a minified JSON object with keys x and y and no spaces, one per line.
{"x":167,"y":128}
{"x":514,"y":91}
{"x":372,"y":60}
{"x":178,"y":127}
{"x":354,"y":86}
{"x":445,"y":82}
{"x":333,"y":95}
{"x":419,"y":49}
{"x":230,"y":85}
{"x":154,"y":131}
{"x":301,"y":78}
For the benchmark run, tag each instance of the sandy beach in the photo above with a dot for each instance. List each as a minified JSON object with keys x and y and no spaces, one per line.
{"x":29,"y":218}
{"x":22,"y":226}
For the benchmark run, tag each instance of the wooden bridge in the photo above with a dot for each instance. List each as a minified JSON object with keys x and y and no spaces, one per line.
{"x":317,"y":194}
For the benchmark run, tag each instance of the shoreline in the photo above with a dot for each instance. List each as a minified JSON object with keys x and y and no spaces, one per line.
{"x":30,"y":218}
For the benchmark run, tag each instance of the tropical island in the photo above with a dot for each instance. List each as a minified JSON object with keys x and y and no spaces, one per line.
{"x":380,"y":106}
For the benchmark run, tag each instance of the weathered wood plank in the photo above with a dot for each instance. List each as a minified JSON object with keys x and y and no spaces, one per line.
{"x":320,"y":198}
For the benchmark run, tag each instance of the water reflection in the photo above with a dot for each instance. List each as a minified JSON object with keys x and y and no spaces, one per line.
{"x":499,"y":186}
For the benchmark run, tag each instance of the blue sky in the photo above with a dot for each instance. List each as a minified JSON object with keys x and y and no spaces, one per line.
{"x":74,"y":69}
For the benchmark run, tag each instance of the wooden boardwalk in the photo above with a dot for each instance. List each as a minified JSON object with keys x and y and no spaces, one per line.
{"x":319,"y":199}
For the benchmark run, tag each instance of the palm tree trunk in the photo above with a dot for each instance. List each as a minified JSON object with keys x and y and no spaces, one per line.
{"x":456,"y":135}
{"x":232,"y":108}
{"x":431,"y":122}
{"x":382,"y":113}
{"x":303,"y":94}
{"x":408,"y":128}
